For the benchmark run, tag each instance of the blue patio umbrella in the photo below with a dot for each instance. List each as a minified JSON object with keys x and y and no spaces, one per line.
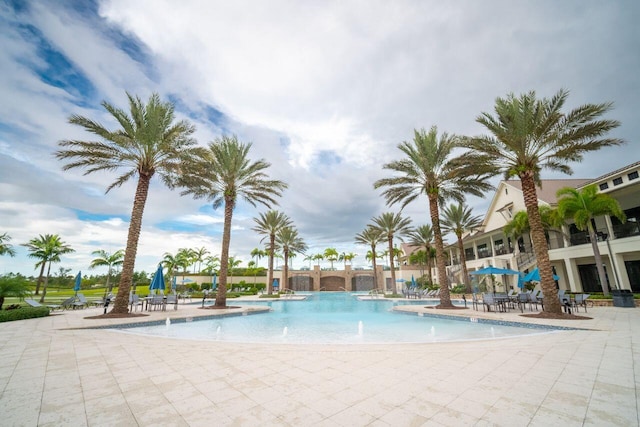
{"x":534,"y":276}
{"x":173,"y":284}
{"x":521,"y":280}
{"x":157,"y":284}
{"x":413,"y":281}
{"x":275,"y":284}
{"x":214,"y":282}
{"x":76,"y":287}
{"x":491,"y":270}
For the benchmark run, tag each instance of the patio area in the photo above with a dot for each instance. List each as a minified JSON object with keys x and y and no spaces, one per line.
{"x":54,"y":374}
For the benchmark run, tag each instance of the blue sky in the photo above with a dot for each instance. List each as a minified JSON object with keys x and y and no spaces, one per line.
{"x":325,"y":92}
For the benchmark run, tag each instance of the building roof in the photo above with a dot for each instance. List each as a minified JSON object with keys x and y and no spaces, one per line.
{"x":609,"y":174}
{"x":549,"y":187}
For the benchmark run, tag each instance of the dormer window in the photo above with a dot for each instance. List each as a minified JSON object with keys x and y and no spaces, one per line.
{"x":617,"y":181}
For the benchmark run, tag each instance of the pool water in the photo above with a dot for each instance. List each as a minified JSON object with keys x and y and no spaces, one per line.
{"x":334,"y":318}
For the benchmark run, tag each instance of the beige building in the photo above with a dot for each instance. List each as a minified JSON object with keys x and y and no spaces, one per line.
{"x":570,"y":250}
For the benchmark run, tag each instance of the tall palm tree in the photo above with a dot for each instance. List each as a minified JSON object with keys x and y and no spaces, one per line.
{"x":5,"y":247}
{"x":458,"y":219}
{"x":430,"y":169}
{"x":422,"y":237}
{"x":288,"y":240}
{"x":269,"y":224}
{"x":148,"y":142}
{"x":331,"y":255}
{"x":371,"y":236}
{"x":212,"y":262}
{"x":527,"y":135}
{"x":103,"y":259}
{"x":46,"y":249}
{"x":223,"y":175}
{"x":582,"y":206}
{"x":392,"y":225}
{"x":184,"y":259}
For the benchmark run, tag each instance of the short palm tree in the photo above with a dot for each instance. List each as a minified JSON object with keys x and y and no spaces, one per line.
{"x":223,"y":175}
{"x":288,"y":240}
{"x":582,"y":206}
{"x":171,"y":263}
{"x":430,"y":169}
{"x":147,"y":143}
{"x":5,"y":247}
{"x":371,"y":236}
{"x":46,"y":249}
{"x":269,"y":224}
{"x":392,"y":225}
{"x":13,"y":285}
{"x":527,"y":135}
{"x":105,"y":259}
{"x":317,"y":258}
{"x":200,"y":255}
{"x":331,"y":255}
{"x":458,"y":219}
{"x":422,"y":237}
{"x":258,"y":254}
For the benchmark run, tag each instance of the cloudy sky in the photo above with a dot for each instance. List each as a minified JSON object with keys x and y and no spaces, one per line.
{"x":325,"y":91}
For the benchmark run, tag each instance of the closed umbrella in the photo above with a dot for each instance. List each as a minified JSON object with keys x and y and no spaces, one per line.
{"x":534,"y":276}
{"x":174,"y":286}
{"x":76,"y":287}
{"x":157,"y":284}
{"x":214,"y":282}
{"x":413,"y":281}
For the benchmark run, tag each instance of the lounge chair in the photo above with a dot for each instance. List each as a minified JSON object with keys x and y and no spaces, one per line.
{"x":34,"y":303}
{"x":71,"y":303}
{"x":83,"y":300}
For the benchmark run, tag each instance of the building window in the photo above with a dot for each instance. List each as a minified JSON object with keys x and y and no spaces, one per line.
{"x":604,"y":186}
{"x":633,"y":175}
{"x":617,"y":181}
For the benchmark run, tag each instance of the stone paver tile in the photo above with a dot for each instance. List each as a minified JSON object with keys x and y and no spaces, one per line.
{"x":256,"y":416}
{"x":547,"y":416}
{"x":352,"y":417}
{"x":403,"y":417}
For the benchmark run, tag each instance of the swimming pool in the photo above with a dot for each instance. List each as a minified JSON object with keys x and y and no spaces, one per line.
{"x":334,"y":318}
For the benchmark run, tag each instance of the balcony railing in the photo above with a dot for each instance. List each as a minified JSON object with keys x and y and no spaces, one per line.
{"x":627,"y":229}
{"x":582,"y":237}
{"x":484,"y":254}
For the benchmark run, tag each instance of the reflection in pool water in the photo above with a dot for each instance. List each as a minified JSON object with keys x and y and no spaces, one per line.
{"x":334,"y":318}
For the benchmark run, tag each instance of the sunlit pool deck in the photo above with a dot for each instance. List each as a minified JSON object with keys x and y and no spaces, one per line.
{"x":55,"y":372}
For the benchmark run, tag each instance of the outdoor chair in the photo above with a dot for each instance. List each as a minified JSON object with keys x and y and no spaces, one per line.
{"x":172,"y":299}
{"x":533,"y":299}
{"x":157,"y":302}
{"x":82,"y":300}
{"x":134,"y":302}
{"x":71,"y":303}
{"x":34,"y":303}
{"x":580,"y":300}
{"x":475,"y":301}
{"x":523,"y":300}
{"x":488,"y":300}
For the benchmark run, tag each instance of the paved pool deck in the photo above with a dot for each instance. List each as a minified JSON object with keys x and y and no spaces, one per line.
{"x":53,"y":372}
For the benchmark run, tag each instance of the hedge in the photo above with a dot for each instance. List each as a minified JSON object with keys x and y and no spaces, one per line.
{"x":23,"y":313}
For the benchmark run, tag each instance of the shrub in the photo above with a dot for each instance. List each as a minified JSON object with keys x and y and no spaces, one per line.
{"x":459,"y":289}
{"x":23,"y":313}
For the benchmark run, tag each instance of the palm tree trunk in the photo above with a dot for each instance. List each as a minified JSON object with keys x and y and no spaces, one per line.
{"x":463,"y":261}
{"x":46,"y":282}
{"x":375,"y":269}
{"x":285,"y":271}
{"x":429,"y":265}
{"x":272,"y":244}
{"x":445,"y":296}
{"x":596,"y":254}
{"x":393,"y":270}
{"x":221,"y":294}
{"x":39,"y":282}
{"x":121,"y":305}
{"x":551,"y":301}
